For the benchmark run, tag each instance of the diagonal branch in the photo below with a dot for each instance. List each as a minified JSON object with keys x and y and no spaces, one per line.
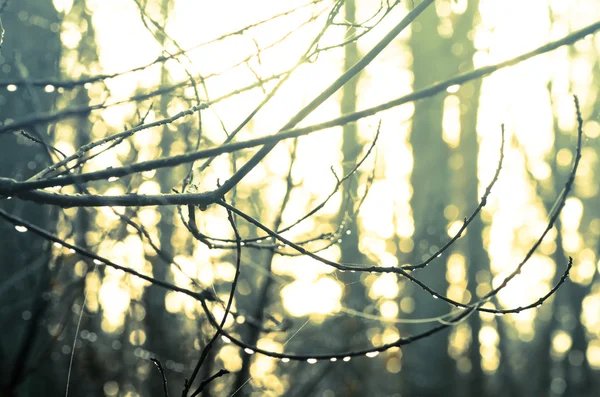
{"x":328,"y":92}
{"x":10,"y":187}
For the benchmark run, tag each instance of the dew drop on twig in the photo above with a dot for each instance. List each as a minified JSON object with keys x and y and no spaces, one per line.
{"x":453,"y":89}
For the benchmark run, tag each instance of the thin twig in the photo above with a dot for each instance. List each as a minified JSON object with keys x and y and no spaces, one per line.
{"x":97,"y":259}
{"x":162,"y":373}
{"x":9,"y":187}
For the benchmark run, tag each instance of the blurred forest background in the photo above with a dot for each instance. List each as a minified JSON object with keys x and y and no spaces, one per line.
{"x":184,"y":75}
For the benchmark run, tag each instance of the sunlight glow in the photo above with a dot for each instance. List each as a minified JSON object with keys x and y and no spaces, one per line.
{"x":561,"y":342}
{"x":230,"y":357}
{"x":593,"y":354}
{"x":513,"y":217}
{"x":389,"y":309}
{"x":304,"y":297}
{"x":451,"y":120}
{"x":386,"y":286}
{"x":459,"y":340}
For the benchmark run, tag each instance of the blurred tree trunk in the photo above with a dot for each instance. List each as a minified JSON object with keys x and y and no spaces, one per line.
{"x":427,"y":368}
{"x":356,"y":381}
{"x":164,"y":330}
{"x":477,"y":259}
{"x":349,"y":331}
{"x":31,"y":49}
{"x":566,"y":307}
{"x":92,"y":371}
{"x":580,"y":376}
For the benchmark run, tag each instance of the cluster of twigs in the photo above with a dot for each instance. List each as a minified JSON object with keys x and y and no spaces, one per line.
{"x":66,"y":171}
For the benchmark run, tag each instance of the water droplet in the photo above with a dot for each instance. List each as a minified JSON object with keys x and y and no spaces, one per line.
{"x":333,"y":359}
{"x":453,"y":89}
{"x":347,"y":358}
{"x":21,"y":228}
{"x":58,"y":245}
{"x":285,"y":360}
{"x":225,"y":339}
{"x":11,"y":87}
{"x":71,"y":250}
{"x":435,"y":297}
{"x":348,"y":232}
{"x":312,"y":361}
{"x":113,"y":178}
{"x":49,"y":88}
{"x":249,"y":351}
{"x":97,"y":262}
{"x":372,"y":354}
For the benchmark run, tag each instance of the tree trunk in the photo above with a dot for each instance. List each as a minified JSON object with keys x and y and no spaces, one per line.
{"x":31,"y":49}
{"x":427,"y":368}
